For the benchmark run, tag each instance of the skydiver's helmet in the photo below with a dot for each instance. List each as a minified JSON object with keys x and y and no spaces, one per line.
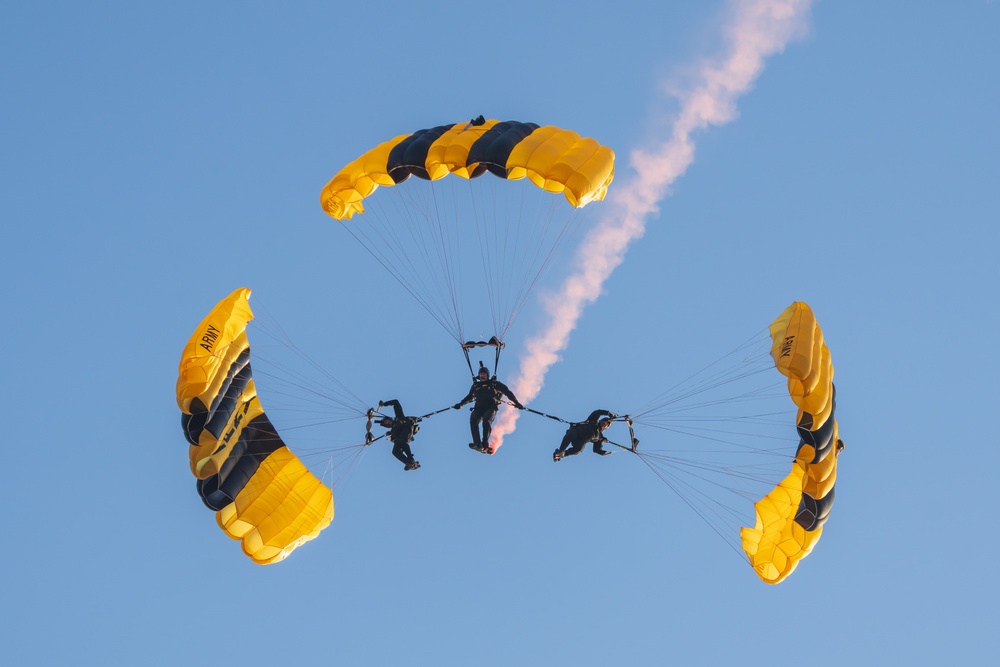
{"x":484,"y":373}
{"x":387,"y":422}
{"x":604,"y":423}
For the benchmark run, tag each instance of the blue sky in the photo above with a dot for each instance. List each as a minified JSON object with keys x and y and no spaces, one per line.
{"x":156,"y":158}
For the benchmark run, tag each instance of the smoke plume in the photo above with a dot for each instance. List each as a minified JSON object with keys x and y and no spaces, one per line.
{"x":755,"y":30}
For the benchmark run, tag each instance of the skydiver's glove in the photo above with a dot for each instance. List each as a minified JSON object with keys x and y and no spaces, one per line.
{"x":457,"y":406}
{"x":381,"y":403}
{"x":613,"y":415}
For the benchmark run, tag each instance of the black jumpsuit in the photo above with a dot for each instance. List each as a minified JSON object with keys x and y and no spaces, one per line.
{"x":581,"y":433}
{"x":486,"y":394}
{"x":402,"y":432}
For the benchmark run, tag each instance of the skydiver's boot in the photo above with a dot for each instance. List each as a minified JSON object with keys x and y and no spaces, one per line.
{"x":413,"y":465}
{"x":558,"y":455}
{"x":602,"y":451}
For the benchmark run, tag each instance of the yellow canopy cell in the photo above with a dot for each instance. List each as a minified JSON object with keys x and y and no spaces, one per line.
{"x":789,"y":519}
{"x":261,"y":492}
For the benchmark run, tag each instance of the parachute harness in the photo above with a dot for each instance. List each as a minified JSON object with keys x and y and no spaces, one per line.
{"x":626,"y":418}
{"x":373,"y":413}
{"x":493,"y":342}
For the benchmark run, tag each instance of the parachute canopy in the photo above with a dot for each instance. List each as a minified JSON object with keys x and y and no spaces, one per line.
{"x":469,"y":249}
{"x":789,"y":519}
{"x":261,"y":492}
{"x":552,"y":158}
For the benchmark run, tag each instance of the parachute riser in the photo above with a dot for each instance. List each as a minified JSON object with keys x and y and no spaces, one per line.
{"x":627,"y":449}
{"x":631,"y":434}
{"x":493,"y":342}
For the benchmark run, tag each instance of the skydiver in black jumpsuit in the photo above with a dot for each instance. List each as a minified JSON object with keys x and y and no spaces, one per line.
{"x":486,"y":393}
{"x":401,"y":432}
{"x":580,"y":433}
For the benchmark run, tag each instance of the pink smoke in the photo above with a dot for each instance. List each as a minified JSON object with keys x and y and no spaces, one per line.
{"x":757,"y":29}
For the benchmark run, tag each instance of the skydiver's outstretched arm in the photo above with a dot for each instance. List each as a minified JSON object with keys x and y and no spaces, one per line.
{"x":597,"y":414}
{"x":503,"y":389}
{"x":468,"y":397}
{"x":396,"y":407}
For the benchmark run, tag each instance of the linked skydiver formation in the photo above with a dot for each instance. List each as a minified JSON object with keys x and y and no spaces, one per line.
{"x":265,"y":497}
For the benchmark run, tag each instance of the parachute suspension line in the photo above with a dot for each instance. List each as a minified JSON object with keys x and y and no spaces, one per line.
{"x":439,"y":258}
{"x":478,"y":195}
{"x":404,"y":229}
{"x":744,"y":474}
{"x":338,"y":472}
{"x":535,"y":263}
{"x":680,"y":390}
{"x":697,"y":474}
{"x":281,"y":337}
{"x":518,"y":237}
{"x":727,"y":437}
{"x":676,"y":412}
{"x":388,"y":265}
{"x":309,"y":400}
{"x":449,"y":258}
{"x":772,"y":459}
{"x":494,"y":256}
{"x":711,"y":517}
{"x":514,"y":258}
{"x":701,"y":381}
{"x":339,"y":462}
{"x":538,"y":251}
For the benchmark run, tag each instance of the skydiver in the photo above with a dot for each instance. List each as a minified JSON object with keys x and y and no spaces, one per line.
{"x":401,"y":432}
{"x":486,"y":393}
{"x":580,"y":433}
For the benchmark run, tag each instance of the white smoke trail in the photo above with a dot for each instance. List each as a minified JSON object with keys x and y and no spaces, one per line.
{"x":756,"y":30}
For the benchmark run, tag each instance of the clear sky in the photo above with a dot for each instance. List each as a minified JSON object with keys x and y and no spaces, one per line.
{"x":156,"y":157}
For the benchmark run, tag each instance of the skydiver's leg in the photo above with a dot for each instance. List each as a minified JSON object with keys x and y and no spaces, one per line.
{"x":474,"y":418}
{"x":576,"y":448}
{"x":561,"y":451}
{"x":488,"y":416}
{"x":402,"y":452}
